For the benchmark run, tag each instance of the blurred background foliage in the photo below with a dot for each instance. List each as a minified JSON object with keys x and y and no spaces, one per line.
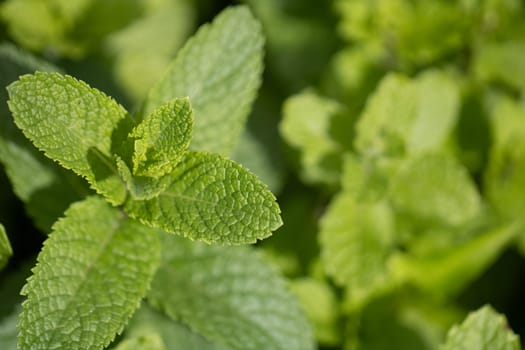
{"x":392,"y":132}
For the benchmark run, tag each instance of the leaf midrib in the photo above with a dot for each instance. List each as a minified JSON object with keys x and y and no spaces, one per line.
{"x":116,"y":225}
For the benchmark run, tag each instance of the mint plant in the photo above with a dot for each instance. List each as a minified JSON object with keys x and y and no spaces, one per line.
{"x":152,"y":178}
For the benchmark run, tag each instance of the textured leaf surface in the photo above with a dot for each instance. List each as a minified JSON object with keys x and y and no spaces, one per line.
{"x":174,"y":335}
{"x":73,"y":124}
{"x":46,"y":188}
{"x":356,"y":241}
{"x":483,"y":329}
{"x":212,"y":199}
{"x":90,"y":277}
{"x":5,"y":247}
{"x":220,"y":70}
{"x":414,"y":191}
{"x":229,"y":295}
{"x":161,"y":138}
{"x":147,"y":340}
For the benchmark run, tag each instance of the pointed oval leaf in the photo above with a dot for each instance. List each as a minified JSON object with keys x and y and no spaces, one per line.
{"x":91,"y":274}
{"x":231,"y":296}
{"x":212,"y":199}
{"x":220,"y":70}
{"x":161,"y":138}
{"x":483,"y":329}
{"x":45,"y":187}
{"x":73,"y":124}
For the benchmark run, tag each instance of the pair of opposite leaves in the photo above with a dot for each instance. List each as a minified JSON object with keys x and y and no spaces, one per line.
{"x":144,"y":164}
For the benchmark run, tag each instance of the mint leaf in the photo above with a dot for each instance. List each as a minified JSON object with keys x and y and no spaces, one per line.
{"x":174,"y":335}
{"x":230,"y":296}
{"x":386,"y":121}
{"x":46,"y":188}
{"x":483,"y":329}
{"x":220,"y":70}
{"x":409,"y":116}
{"x":437,"y":111}
{"x":212,"y":199}
{"x":320,"y":304}
{"x":5,"y":247}
{"x":147,"y":340}
{"x":356,"y":241}
{"x":91,"y":274}
{"x":73,"y":124}
{"x":505,"y":174}
{"x":447,"y":271}
{"x":307,"y":125}
{"x":161,"y":139}
{"x":414,"y":191}
{"x":148,"y":44}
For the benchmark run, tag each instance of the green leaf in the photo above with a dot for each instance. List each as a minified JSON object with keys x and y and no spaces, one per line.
{"x":307,"y":125}
{"x":5,"y":247}
{"x":230,"y":296}
{"x":90,"y":277}
{"x":147,"y":340}
{"x":483,"y":329}
{"x":161,"y":139}
{"x":447,"y":271}
{"x":409,"y":116}
{"x":501,"y":63}
{"x":356,"y":241}
{"x":320,"y":304}
{"x":505,"y":175}
{"x":414,"y":191}
{"x":73,"y":124}
{"x":46,"y":188}
{"x":437,"y":111}
{"x":174,"y":335}
{"x":9,"y":331}
{"x":148,"y":44}
{"x":220,"y":70}
{"x":212,"y":199}
{"x":387,"y":118}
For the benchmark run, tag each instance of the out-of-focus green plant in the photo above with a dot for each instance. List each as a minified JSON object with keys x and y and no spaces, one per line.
{"x":392,"y":132}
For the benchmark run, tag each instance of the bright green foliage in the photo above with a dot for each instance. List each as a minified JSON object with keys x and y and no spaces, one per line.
{"x":90,"y":276}
{"x":5,"y":247}
{"x":73,"y":124}
{"x":220,"y":70}
{"x":501,"y":63}
{"x":174,"y":335}
{"x":453,"y":202}
{"x":445,"y":272}
{"x":483,"y":329}
{"x":45,"y":187}
{"x":356,"y":240}
{"x":230,"y":296}
{"x":321,"y":307}
{"x":307,"y":124}
{"x":68,"y":27}
{"x":212,"y":199}
{"x":505,"y":173}
{"x":161,"y":139}
{"x":405,"y":115}
{"x":148,"y":44}
{"x":144,"y":341}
